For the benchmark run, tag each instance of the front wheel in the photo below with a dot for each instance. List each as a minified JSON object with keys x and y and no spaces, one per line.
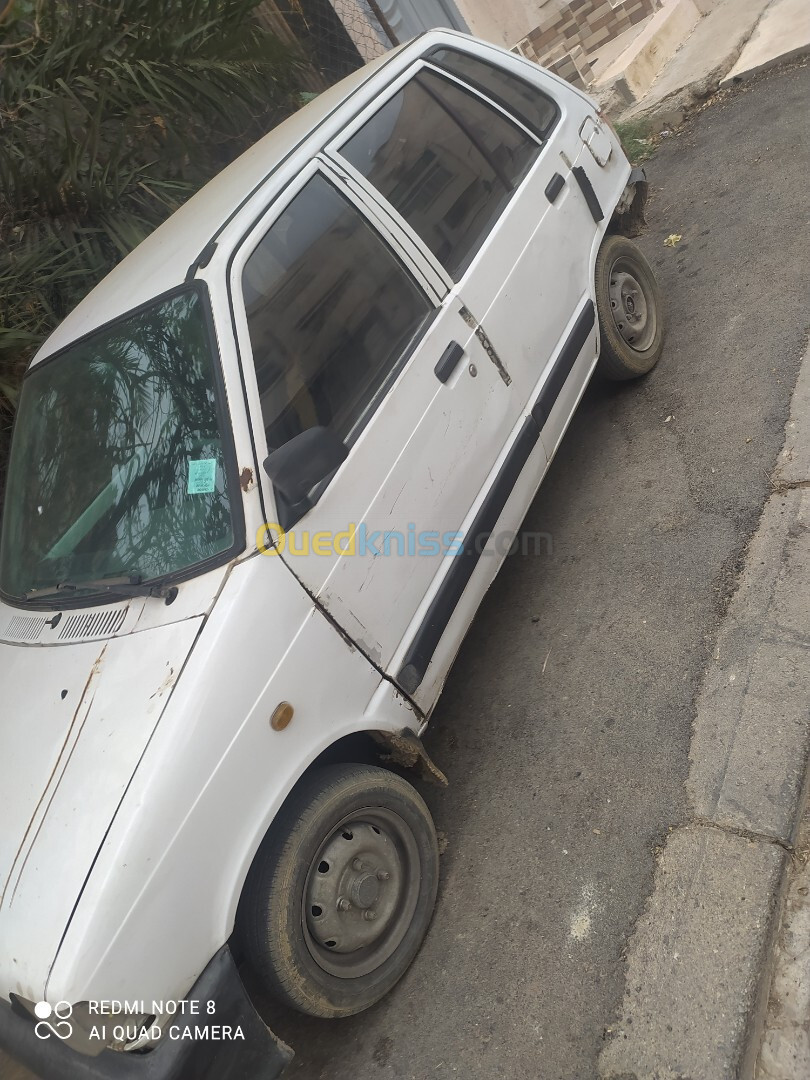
{"x":628,"y":302}
{"x":341,"y":892}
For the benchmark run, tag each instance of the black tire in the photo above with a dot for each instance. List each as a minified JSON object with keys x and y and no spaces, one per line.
{"x":628,"y":302}
{"x":375,"y":836}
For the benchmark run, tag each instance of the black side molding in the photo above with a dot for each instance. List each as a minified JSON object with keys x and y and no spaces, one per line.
{"x":541,"y":410}
{"x":447,"y":361}
{"x":587,"y":190}
{"x":554,"y":187}
{"x":427,"y":637}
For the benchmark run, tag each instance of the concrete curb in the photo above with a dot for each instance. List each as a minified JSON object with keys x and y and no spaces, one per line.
{"x":785,"y":1052}
{"x":698,"y":967}
{"x":751,"y":738}
{"x":782,"y":34}
{"x":696,"y":71}
{"x":632,"y":74}
{"x":695,"y":972}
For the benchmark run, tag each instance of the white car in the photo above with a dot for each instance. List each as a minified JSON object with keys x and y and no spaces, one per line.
{"x":260,"y":482}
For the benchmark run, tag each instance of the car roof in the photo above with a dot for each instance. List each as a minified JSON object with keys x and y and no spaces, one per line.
{"x":171,"y":254}
{"x":162,"y":261}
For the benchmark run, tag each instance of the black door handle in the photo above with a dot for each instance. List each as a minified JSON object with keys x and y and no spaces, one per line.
{"x":554,"y":187}
{"x":448,"y":360}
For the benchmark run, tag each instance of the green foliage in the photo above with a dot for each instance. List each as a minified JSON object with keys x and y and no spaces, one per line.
{"x":112,"y":112}
{"x":637,"y":140}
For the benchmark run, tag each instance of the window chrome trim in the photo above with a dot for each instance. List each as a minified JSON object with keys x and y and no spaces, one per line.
{"x":402,"y":253}
{"x":488,"y":95}
{"x":371,"y":194}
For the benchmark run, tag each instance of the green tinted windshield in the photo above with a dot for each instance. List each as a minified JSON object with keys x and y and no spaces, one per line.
{"x":117,"y":465}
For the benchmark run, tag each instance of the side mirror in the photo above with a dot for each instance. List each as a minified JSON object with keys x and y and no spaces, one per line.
{"x":297,"y":466}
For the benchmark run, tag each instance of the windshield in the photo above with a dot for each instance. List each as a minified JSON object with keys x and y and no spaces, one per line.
{"x":117,"y":465}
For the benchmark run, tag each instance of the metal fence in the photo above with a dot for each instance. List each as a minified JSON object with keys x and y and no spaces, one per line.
{"x":336,"y":37}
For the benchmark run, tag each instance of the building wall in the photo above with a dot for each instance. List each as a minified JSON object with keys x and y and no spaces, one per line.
{"x":587,"y":24}
{"x":559,"y":34}
{"x":506,"y":22}
{"x":407,"y":18}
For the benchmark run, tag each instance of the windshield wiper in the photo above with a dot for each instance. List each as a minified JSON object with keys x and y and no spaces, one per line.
{"x":126,"y":585}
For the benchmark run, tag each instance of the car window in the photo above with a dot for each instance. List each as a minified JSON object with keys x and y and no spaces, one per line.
{"x":531,"y":106}
{"x":331,"y":314}
{"x":446,"y":160}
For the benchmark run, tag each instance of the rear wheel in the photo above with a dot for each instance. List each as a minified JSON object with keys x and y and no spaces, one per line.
{"x":628,"y":302}
{"x":341,"y":892}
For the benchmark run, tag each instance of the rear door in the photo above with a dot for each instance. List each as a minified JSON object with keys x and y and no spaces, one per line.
{"x":525,"y":281}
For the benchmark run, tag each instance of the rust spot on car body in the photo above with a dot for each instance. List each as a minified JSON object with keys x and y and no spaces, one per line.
{"x":245,"y":479}
{"x":168,"y":682}
{"x":405,"y":749}
{"x":488,"y":348}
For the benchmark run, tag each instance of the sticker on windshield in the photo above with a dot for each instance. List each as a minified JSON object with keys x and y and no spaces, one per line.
{"x":202,"y":476}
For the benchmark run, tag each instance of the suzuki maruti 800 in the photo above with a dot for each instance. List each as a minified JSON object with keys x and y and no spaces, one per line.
{"x":257,"y":484}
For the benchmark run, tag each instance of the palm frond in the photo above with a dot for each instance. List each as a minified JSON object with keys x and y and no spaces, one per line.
{"x":111,"y":115}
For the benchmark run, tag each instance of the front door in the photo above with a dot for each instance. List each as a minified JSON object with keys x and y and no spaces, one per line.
{"x":347,"y":333}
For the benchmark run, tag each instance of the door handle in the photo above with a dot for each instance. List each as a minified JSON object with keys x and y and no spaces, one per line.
{"x":448,"y":361}
{"x":554,"y":187}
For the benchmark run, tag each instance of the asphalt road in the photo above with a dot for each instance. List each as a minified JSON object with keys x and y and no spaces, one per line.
{"x":565,"y":725}
{"x":566,"y":738}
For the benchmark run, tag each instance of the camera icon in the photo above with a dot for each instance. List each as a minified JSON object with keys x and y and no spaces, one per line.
{"x":53,"y":1020}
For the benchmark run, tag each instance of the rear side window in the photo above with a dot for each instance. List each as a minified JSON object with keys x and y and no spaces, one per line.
{"x":446,"y":160}
{"x":331,"y":314}
{"x":530,"y":105}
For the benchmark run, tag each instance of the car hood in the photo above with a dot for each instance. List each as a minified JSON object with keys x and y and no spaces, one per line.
{"x":76,"y":719}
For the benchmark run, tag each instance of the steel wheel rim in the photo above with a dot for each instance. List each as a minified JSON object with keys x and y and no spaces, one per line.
{"x":632,"y":305}
{"x":361,"y":892}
